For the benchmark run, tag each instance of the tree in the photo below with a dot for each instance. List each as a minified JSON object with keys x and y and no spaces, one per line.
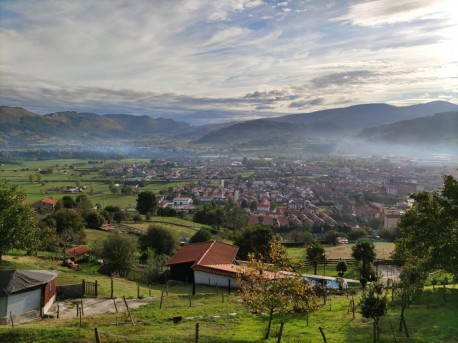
{"x":341,"y":267}
{"x":411,"y":282}
{"x":118,"y":253}
{"x":161,"y":240}
{"x":331,"y":236}
{"x":429,"y":229}
{"x":373,"y":304}
{"x":202,"y":235}
{"x":254,"y":240}
{"x":315,"y":254}
{"x":267,"y":289}
{"x":68,"y":225}
{"x":364,"y":251}
{"x":18,"y":228}
{"x":146,"y":202}
{"x":94,"y":220}
{"x":234,"y":217}
{"x":154,"y":265}
{"x":357,"y":233}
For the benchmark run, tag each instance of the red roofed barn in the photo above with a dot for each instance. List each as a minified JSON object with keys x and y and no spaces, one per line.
{"x":210,"y":263}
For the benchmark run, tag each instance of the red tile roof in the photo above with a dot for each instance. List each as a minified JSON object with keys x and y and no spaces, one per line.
{"x":205,"y":253}
{"x":76,"y":251}
{"x":49,"y":201}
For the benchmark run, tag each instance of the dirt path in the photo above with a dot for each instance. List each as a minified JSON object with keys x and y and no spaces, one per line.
{"x":94,"y":306}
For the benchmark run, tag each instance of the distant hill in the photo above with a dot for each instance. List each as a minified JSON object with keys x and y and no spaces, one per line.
{"x":375,"y":122}
{"x":339,"y":123}
{"x":358,"y":117}
{"x":17,"y":123}
{"x":441,"y":128}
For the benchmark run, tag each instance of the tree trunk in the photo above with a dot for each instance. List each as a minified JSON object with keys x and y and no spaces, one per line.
{"x":401,"y":319}
{"x":374,"y":332}
{"x":271,"y":314}
{"x":315,"y":264}
{"x":364,"y":269}
{"x":1,"y":257}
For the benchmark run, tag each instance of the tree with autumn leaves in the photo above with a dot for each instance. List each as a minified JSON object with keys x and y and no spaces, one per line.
{"x":273,"y":287}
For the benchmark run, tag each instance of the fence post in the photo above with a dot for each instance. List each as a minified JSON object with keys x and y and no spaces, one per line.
{"x":197,"y":333}
{"x":84,"y":287}
{"x":82,"y":308}
{"x":229,"y":286}
{"x":96,"y":285}
{"x":11,"y":318}
{"x":281,"y":332}
{"x":97,"y":336}
{"x":116,"y":307}
{"x":112,"y":287}
{"x":323,"y":335}
{"x":190,"y":301}
{"x":58,"y":310}
{"x":138,"y":292}
{"x":162,"y":297}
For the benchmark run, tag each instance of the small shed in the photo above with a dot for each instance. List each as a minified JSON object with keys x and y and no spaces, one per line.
{"x":26,"y":294}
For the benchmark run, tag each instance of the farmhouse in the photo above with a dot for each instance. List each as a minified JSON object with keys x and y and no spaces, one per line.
{"x":45,"y":205}
{"x":210,"y":263}
{"x":26,"y":294}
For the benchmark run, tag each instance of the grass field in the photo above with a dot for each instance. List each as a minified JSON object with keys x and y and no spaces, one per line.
{"x":69,"y":173}
{"x":431,"y":317}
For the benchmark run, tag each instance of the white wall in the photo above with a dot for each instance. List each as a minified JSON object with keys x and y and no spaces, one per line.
{"x":202,"y":278}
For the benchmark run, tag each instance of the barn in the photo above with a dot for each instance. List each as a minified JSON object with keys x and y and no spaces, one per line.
{"x":26,"y":294}
{"x":210,"y":263}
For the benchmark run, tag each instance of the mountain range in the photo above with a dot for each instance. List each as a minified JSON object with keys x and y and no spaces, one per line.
{"x":429,"y":123}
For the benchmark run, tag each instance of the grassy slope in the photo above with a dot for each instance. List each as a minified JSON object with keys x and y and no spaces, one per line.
{"x":436,"y":324}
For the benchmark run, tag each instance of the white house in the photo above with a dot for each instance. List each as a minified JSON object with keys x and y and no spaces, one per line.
{"x":182,"y":201}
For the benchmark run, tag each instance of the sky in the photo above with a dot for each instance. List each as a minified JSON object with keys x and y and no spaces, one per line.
{"x":211,"y":61}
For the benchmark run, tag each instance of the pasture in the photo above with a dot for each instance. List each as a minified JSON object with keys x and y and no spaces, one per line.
{"x":223,"y":318}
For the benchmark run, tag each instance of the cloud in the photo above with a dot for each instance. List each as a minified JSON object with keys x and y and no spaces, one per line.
{"x":228,"y":57}
{"x":381,"y":12}
{"x":342,"y":78}
{"x":306,"y":103}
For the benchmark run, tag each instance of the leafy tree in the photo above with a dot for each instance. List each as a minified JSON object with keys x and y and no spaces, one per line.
{"x":66,"y":218}
{"x":18,"y":228}
{"x":234,"y":217}
{"x":68,"y":225}
{"x":357,"y":233}
{"x":341,"y":267}
{"x":83,"y":204}
{"x":429,"y":230}
{"x":202,"y":235}
{"x":364,"y":251}
{"x":154,"y":265}
{"x":331,"y":236}
{"x":373,"y":304}
{"x":411,"y":282}
{"x":315,"y":254}
{"x":301,"y":235}
{"x":94,"y":220}
{"x":68,"y":202}
{"x":266,"y":289}
{"x":118,"y":253}
{"x":113,"y":188}
{"x":161,"y":240}
{"x":146,"y":202}
{"x":119,"y":217}
{"x":254,"y":240}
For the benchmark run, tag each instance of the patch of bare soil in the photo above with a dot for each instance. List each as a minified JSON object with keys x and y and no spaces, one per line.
{"x":93,"y":306}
